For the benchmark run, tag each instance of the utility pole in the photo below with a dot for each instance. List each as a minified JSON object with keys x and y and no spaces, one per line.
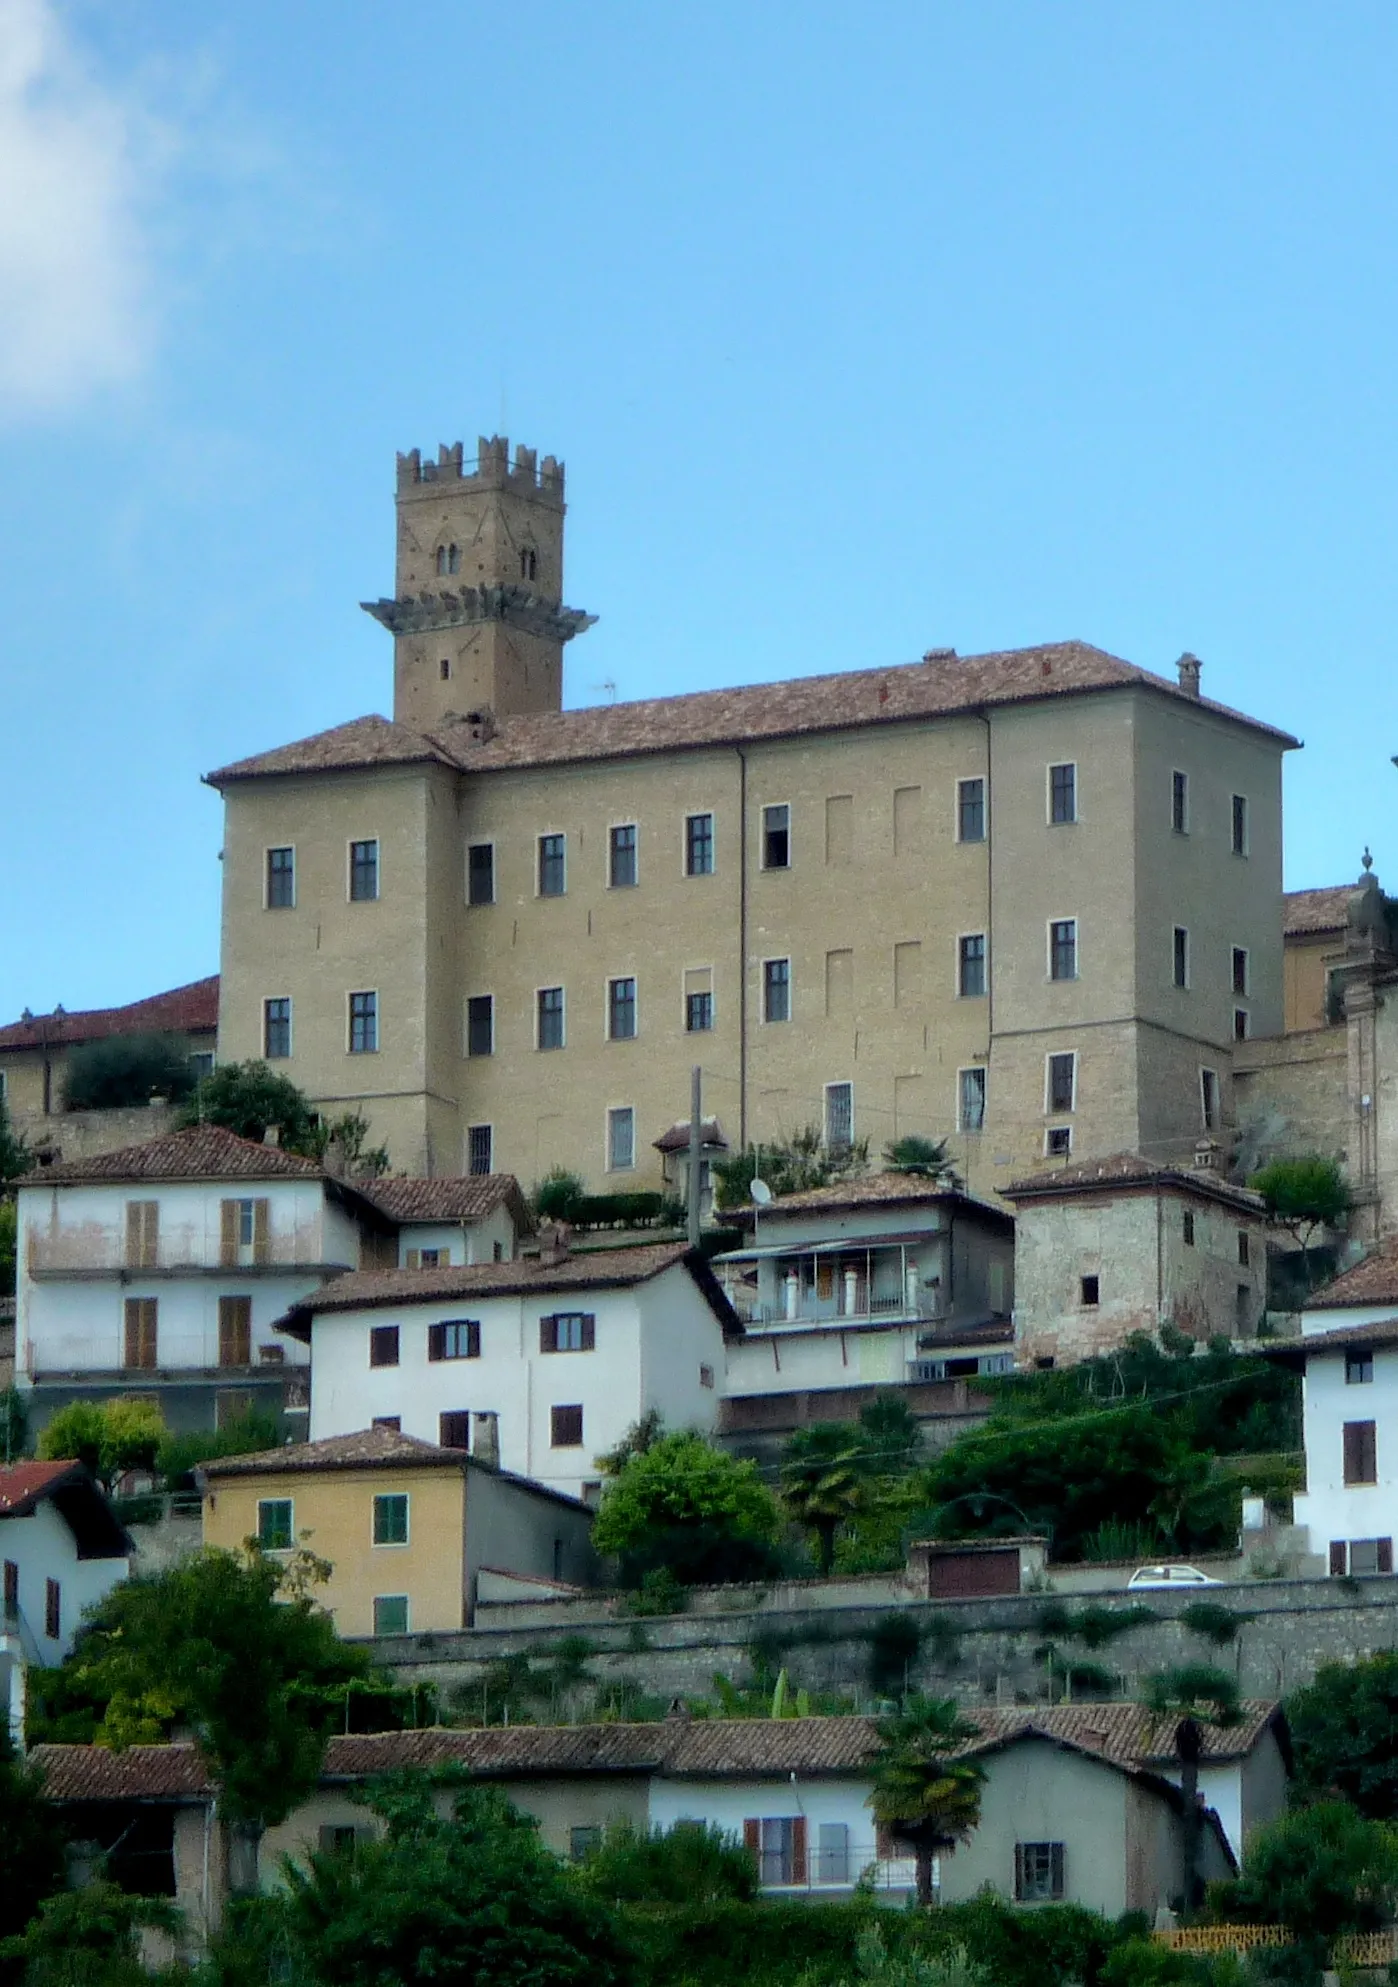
{"x":695,"y":1136}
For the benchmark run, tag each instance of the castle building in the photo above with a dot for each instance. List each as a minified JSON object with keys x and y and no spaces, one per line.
{"x":1024,"y":901}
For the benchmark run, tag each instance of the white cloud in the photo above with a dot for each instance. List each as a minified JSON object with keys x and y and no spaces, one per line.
{"x":74,"y":280}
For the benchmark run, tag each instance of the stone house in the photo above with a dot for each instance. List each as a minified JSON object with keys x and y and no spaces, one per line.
{"x":1004,"y":899}
{"x":406,"y":1526}
{"x":62,"y":1550}
{"x":1105,"y":1249}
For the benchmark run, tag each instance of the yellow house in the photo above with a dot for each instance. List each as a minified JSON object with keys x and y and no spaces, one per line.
{"x":407,"y":1527}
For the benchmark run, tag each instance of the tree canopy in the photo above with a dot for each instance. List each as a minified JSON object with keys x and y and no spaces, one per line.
{"x":249,"y":1098}
{"x":1320,"y":1871}
{"x":127,"y":1070}
{"x":823,"y":1473}
{"x":1344,"y":1729}
{"x":691,"y":1863}
{"x":1304,"y":1194}
{"x":108,"y":1436}
{"x":15,"y":1157}
{"x":685,"y":1505}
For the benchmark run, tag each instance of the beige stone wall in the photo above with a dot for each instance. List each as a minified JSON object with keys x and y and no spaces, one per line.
{"x":86,"y":1134}
{"x":1292,"y":1095}
{"x":1308,"y":959}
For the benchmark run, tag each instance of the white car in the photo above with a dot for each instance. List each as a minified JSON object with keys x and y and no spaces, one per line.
{"x":1169,"y":1576}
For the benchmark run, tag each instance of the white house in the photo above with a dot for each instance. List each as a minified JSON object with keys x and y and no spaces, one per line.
{"x":564,"y":1351}
{"x":472,"y":1218}
{"x":61,"y":1550}
{"x":1348,"y":1357}
{"x":872,"y":1282}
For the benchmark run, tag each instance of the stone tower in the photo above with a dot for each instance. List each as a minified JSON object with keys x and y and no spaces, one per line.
{"x":477,"y":618}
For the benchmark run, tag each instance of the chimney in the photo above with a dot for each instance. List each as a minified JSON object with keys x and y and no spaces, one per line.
{"x":1188,"y":667}
{"x":553,"y":1243}
{"x":272,"y":1135}
{"x":486,"y":1447}
{"x":1206,"y":1155}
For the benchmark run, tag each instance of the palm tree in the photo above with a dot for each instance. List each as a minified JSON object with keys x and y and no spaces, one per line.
{"x":923,"y":1792}
{"x":1195,"y":1695}
{"x":822,"y":1472}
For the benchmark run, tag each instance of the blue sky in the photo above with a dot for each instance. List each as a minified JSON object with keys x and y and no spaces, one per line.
{"x":860,"y":330}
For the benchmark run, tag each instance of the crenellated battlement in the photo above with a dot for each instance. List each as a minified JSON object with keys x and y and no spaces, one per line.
{"x":491,"y":468}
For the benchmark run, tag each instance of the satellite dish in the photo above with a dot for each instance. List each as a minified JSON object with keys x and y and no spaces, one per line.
{"x":761,"y":1192}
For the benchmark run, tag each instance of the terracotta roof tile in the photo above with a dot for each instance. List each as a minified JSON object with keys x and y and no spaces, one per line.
{"x":1373,"y":1281}
{"x":595,"y":1269}
{"x":22,"y":1485}
{"x":1316,"y":910}
{"x":1129,"y":1169}
{"x":504,"y":1749}
{"x":902,"y":692}
{"x":466,"y":1197}
{"x":191,"y":1009}
{"x":92,"y":1773}
{"x":366,"y":1448}
{"x":204,"y":1152}
{"x":872,"y":1190}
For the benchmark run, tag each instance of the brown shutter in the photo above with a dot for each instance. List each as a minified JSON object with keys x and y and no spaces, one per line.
{"x":473,"y":1339}
{"x":140,"y":1331}
{"x":1360,"y":1452}
{"x":548,"y":1334}
{"x":883,"y":1842}
{"x":142,"y":1233}
{"x":261,"y":1225}
{"x":133,"y":1234}
{"x":1338,"y":1559}
{"x":752,"y":1836}
{"x":235,"y":1331}
{"x":1056,"y":1868}
{"x":1019,"y":1872}
{"x":1385,"y":1555}
{"x":436,"y":1341}
{"x":798,"y":1849}
{"x":228,"y":1233}
{"x":589,"y":1334}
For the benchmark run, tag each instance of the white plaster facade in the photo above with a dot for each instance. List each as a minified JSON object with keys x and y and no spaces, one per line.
{"x":58,"y":1550}
{"x":1349,"y":1362}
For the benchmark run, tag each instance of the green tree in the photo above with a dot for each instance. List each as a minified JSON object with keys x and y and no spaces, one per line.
{"x":789,"y":1166}
{"x":246,"y":1435}
{"x":126,"y":1070}
{"x":108,"y":1436}
{"x":691,"y":1863}
{"x":14,"y":1425}
{"x":9,"y":1242}
{"x":1304,"y":1195}
{"x":683,"y":1504}
{"x":1344,"y":1729}
{"x":88,"y":1938}
{"x":15,"y":1157}
{"x":31,"y":1844}
{"x":559,"y":1195}
{"x":1192,"y":1696}
{"x":233,"y":1646}
{"x":1320,"y":1871}
{"x":923,"y":1791}
{"x":448,"y":1902}
{"x":822,"y":1481}
{"x":925,"y":1157}
{"x":248,"y":1098}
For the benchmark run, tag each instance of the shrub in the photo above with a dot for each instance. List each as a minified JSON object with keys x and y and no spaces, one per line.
{"x":108,"y":1436}
{"x":248,"y":1098}
{"x":692,"y":1863}
{"x":1216,"y":1624}
{"x":127,"y":1070}
{"x":180,"y":1455}
{"x":559,"y":1195}
{"x":683,"y":1504}
{"x":894,"y":1642}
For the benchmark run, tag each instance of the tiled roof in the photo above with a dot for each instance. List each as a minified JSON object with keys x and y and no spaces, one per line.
{"x":1316,"y":910}
{"x":871,"y":1190}
{"x":903,"y":692}
{"x":204,"y":1152}
{"x":1374,"y":1281}
{"x":677,"y":1138}
{"x":368,"y":1448}
{"x":1125,"y":1735}
{"x":466,"y":1197}
{"x":22,"y":1485}
{"x":1129,"y":1169}
{"x":184,"y":1010}
{"x":1295,"y":1351}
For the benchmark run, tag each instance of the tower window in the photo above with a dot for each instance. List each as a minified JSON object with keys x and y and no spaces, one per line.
{"x":776,"y":837}
{"x":276,"y":1029}
{"x":970,"y":1099}
{"x":1241,"y":977}
{"x":699,"y":845}
{"x":363,"y":1024}
{"x":1179,"y":803}
{"x":1181,"y":956}
{"x":480,"y":1148}
{"x":1208,"y":1098}
{"x":445,"y":666}
{"x":621,"y":871}
{"x":281,"y":879}
{"x":528,"y":562}
{"x":1062,"y":1082}
{"x":970,"y":810}
{"x":480,"y":873}
{"x":970,"y":980}
{"x":550,"y":1013}
{"x":552,"y":865}
{"x":1063,"y":949}
{"x":480,"y":1025}
{"x":448,"y":559}
{"x":364,"y":872}
{"x":1240,"y":824}
{"x":621,"y":1010}
{"x":1063,"y":793}
{"x":776,"y":990}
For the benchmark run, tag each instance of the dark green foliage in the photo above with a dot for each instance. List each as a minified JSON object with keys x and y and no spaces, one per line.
{"x":1304,"y":1193}
{"x":1216,"y":1624}
{"x":559,"y":1195}
{"x":9,"y":1239}
{"x":893,"y":1648}
{"x":247,"y":1097}
{"x":15,"y":1157}
{"x":640,"y":1436}
{"x":688,"y":1864}
{"x":1319,"y":1871}
{"x":14,"y":1425}
{"x":823,"y":1481}
{"x":891,"y":1435}
{"x":1344,"y":1727}
{"x":1194,"y":1690}
{"x":180,"y":1455}
{"x":88,"y":1938}
{"x":921,"y":1791}
{"x":1097,"y":1626}
{"x":685,"y":1505}
{"x":456,"y":1902}
{"x":1142,"y":1962}
{"x":31,"y":1846}
{"x":790,"y":1166}
{"x":925,"y":1157}
{"x":626,"y":1211}
{"x":127,"y":1070}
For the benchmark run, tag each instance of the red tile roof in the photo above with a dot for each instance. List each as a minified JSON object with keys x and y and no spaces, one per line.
{"x":903,"y":692}
{"x":1316,"y":910}
{"x":204,"y":1152}
{"x":23,"y":1485}
{"x":1128,"y":1170}
{"x":78,"y":1499}
{"x":367,"y":1448}
{"x":191,"y":1009}
{"x":466,"y":1197}
{"x":1373,"y":1281}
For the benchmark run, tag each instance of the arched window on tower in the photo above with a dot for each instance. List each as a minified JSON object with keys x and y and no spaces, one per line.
{"x":441,"y":560}
{"x":453,"y":558}
{"x":528,"y":563}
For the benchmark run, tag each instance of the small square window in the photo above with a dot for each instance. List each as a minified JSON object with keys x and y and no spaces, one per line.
{"x":363,"y":1024}
{"x":390,"y":1614}
{"x":1063,"y":949}
{"x":1062,"y":1082}
{"x":698,"y":1013}
{"x":776,"y":837}
{"x":1038,"y":1872}
{"x":1240,"y":824}
{"x":970,"y":971}
{"x":1058,"y":1142}
{"x":621,"y":1010}
{"x":276,"y":1030}
{"x":1063,"y":794}
{"x":550,"y":1010}
{"x":1370,"y":1556}
{"x":480,"y":873}
{"x":621,"y":869}
{"x":1359,"y":1368}
{"x":364,"y":872}
{"x":480,"y":1025}
{"x":274,"y":1524}
{"x":1091,"y":1291}
{"x":553,"y":865}
{"x":566,"y":1427}
{"x":970,"y":810}
{"x":383,"y":1345}
{"x":1179,"y":803}
{"x":621,"y":1139}
{"x":776,"y":990}
{"x":1188,"y":1226}
{"x":480,"y":1149}
{"x":281,"y":879}
{"x":970,"y":1100}
{"x":454,"y":1429}
{"x":699,"y":845}
{"x":1181,"y":956}
{"x":391,"y":1519}
{"x":337,"y":1839}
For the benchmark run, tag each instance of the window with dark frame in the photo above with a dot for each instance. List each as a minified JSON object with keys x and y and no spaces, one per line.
{"x":276,"y":1030}
{"x":364,"y":872}
{"x":1058,"y":1141}
{"x":1242,"y":1024}
{"x":1244,"y":1250}
{"x":1370,"y":1556}
{"x":1187,"y":1224}
{"x":53,"y":1610}
{"x":1179,"y":803}
{"x":274,"y":1524}
{"x":1359,"y":1369}
{"x":776,"y":990}
{"x":553,"y":865}
{"x":383,"y":1345}
{"x":11,"y":1589}
{"x":550,"y":1009}
{"x":839,"y":1116}
{"x":582,"y":1842}
{"x":480,"y":1149}
{"x":1090,"y":1291}
{"x":622,"y":862}
{"x":621,"y":1139}
{"x":281,"y":879}
{"x":337,"y":1838}
{"x":391,"y":1518}
{"x":1361,"y":1452}
{"x":480,"y":1025}
{"x":1208,"y":1098}
{"x":970,"y":810}
{"x":1240,"y":969}
{"x":699,"y":845}
{"x":568,"y":1331}
{"x":1062,"y":1081}
{"x":480,"y":873}
{"x":1063,"y":794}
{"x":1181,"y":956}
{"x":970,"y":1100}
{"x":566,"y":1427}
{"x":621,"y":1010}
{"x":454,"y":1428}
{"x":1240,"y":824}
{"x":1039,"y":1872}
{"x":390,"y":1614}
{"x":698,"y":1013}
{"x":776,"y":837}
{"x":363,"y":1024}
{"x":1063,"y":949}
{"x":970,"y":970}
{"x":454,"y":1338}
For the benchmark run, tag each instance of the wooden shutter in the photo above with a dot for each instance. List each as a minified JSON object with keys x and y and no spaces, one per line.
{"x":140,"y":1331}
{"x":261,"y":1231}
{"x":235,"y":1331}
{"x":1385,"y":1555}
{"x":53,"y":1610}
{"x":1339,"y":1564}
{"x":548,"y":1334}
{"x":228,"y":1233}
{"x":1360,"y":1452}
{"x":412,"y":1259}
{"x":142,"y":1233}
{"x":798,"y":1849}
{"x":883,"y":1842}
{"x":1056,"y":1868}
{"x":436,"y":1341}
{"x":473,"y":1339}
{"x":1019,"y":1872}
{"x":752,"y":1837}
{"x":589,"y":1334}
{"x":11,"y":1587}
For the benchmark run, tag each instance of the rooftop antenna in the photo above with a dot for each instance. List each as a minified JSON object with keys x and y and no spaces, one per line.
{"x":608,"y":688}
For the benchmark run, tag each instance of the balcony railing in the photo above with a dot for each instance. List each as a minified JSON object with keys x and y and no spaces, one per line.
{"x":104,"y":1253}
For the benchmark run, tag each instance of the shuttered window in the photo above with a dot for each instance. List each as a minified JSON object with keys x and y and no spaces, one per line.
{"x":456,"y":1338}
{"x":1038,"y":1872}
{"x":140,"y":1332}
{"x":142,"y":1234}
{"x":235,"y":1331}
{"x":244,"y":1232}
{"x":568,"y":1331}
{"x":53,"y":1610}
{"x":779,"y":1844}
{"x":1361,"y":1452}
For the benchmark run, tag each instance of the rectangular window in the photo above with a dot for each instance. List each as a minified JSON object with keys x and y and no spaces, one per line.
{"x":480,"y":1025}
{"x":456,"y":1338}
{"x":1242,"y":1024}
{"x":1240,"y":970}
{"x":621,"y":1010}
{"x":1063,"y":794}
{"x":390,"y":1614}
{"x":276,"y":1030}
{"x":142,"y":1234}
{"x":1179,"y":803}
{"x":970,"y":1102}
{"x":363,"y":1024}
{"x":1062,"y":1082}
{"x":1181,"y":956}
{"x":1188,"y":1225}
{"x":336,"y":1839}
{"x":779,"y":1843}
{"x":1359,"y":1369}
{"x":1240,"y":824}
{"x":454,"y":1429}
{"x":1208,"y":1098}
{"x":583,"y":1842}
{"x":1063,"y":949}
{"x":1091,"y":1291}
{"x":1361,"y":1452}
{"x":568,"y":1331}
{"x":776,"y":990}
{"x":391,"y":1518}
{"x":201,"y":1067}
{"x":281,"y":879}
{"x":621,"y":864}
{"x":1038,"y":1872}
{"x":699,"y":845}
{"x":970,"y":969}
{"x":839,"y":1116}
{"x":235,"y":1331}
{"x":566,"y":1427}
{"x":480,"y":873}
{"x":53,"y":1610}
{"x":550,"y":1017}
{"x":480,"y":1149}
{"x":383,"y":1345}
{"x":364,"y":872}
{"x":1370,"y":1556}
{"x":776,"y":837}
{"x":1244,"y":1250}
{"x":970,"y":810}
{"x":698,"y":1013}
{"x":274,"y":1524}
{"x":141,"y":1333}
{"x":621,"y":1139}
{"x":553,"y":865}
{"x":1058,"y":1141}
{"x":832,"y":1843}
{"x":11,"y":1589}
